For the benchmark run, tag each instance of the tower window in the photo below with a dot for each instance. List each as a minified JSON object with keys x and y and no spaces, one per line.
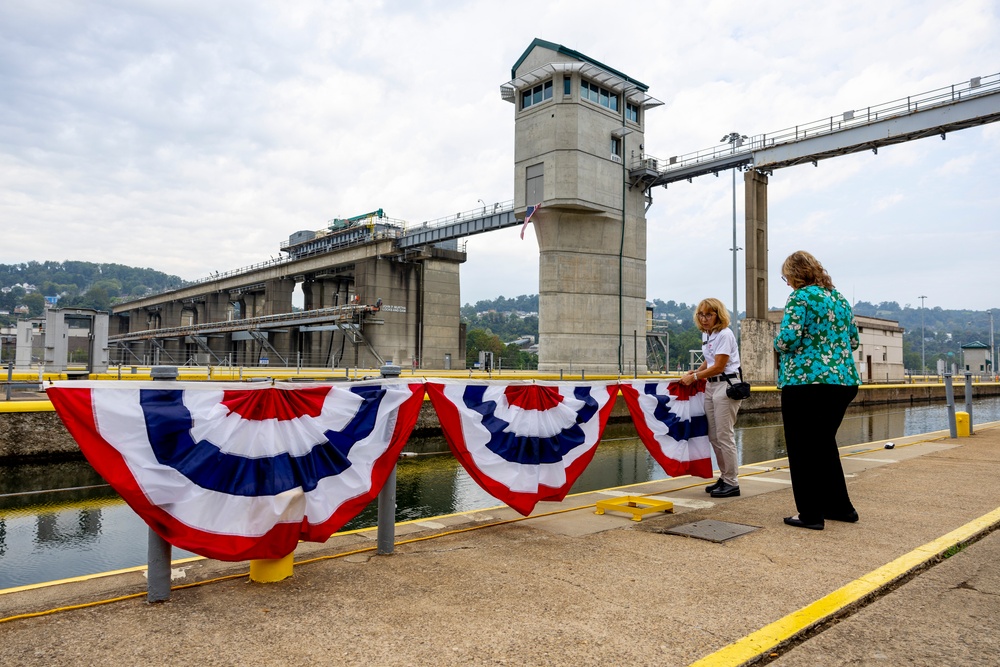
{"x":567,"y":86}
{"x":536,"y":95}
{"x":632,"y":112}
{"x":594,"y":93}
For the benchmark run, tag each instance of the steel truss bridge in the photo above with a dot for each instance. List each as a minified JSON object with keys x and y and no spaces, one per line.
{"x":934,"y":113}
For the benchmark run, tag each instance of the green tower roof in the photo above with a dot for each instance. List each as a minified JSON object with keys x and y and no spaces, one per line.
{"x":558,"y":48}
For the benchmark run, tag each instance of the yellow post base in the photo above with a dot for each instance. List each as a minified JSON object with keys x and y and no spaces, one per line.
{"x":962,"y":424}
{"x":634,"y":505}
{"x":267,"y":571}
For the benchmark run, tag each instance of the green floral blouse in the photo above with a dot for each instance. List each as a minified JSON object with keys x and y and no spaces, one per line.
{"x":817,"y":339}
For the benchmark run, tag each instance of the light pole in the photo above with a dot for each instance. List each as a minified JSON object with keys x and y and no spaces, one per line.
{"x":923,"y":366}
{"x":620,"y":134}
{"x":734,"y":139}
{"x":993,"y":349}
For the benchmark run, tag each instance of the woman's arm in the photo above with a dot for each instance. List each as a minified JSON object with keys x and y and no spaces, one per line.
{"x":704,"y":372}
{"x":792,"y":324}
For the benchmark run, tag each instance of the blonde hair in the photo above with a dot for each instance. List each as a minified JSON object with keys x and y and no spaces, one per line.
{"x":712,"y":306}
{"x":802,"y":269}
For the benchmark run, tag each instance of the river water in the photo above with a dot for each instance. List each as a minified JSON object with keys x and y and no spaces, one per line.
{"x":60,"y":520}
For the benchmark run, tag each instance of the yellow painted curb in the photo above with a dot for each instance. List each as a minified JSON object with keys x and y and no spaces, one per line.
{"x":26,"y":406}
{"x":771,"y":636}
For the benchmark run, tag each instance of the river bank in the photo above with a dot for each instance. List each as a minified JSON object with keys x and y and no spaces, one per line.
{"x":30,"y":431}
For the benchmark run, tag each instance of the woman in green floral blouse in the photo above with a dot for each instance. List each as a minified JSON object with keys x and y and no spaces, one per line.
{"x":818,"y":380}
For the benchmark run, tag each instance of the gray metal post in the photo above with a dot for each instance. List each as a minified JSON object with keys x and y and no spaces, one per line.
{"x":386,"y":536}
{"x":635,"y":353}
{"x":968,"y":398}
{"x":158,"y":551}
{"x":949,"y":394}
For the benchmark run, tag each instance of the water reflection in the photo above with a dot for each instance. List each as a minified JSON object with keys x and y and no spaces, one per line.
{"x":83,"y":527}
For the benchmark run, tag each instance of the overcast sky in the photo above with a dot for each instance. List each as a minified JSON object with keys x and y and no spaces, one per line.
{"x":194,"y":137}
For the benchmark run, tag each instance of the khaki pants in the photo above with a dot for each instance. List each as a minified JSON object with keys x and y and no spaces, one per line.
{"x":721,"y":413}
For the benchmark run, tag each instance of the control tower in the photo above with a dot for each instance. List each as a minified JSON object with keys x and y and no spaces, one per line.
{"x":578,"y":130}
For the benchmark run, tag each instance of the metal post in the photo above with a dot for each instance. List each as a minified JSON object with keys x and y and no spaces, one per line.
{"x":158,"y":552}
{"x":386,"y":536}
{"x":923,"y":365}
{"x":736,"y":309}
{"x":949,"y":394}
{"x":993,"y":350}
{"x":635,"y":353}
{"x":968,"y":398}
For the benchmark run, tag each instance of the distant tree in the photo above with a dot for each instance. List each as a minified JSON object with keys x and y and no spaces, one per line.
{"x":35,"y":303}
{"x":97,"y":298}
{"x":478,"y":340}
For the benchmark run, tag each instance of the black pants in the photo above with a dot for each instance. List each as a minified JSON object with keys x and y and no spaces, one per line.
{"x":812,"y":414}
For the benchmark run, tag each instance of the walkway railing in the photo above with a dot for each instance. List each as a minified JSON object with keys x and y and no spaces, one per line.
{"x":731,"y":155}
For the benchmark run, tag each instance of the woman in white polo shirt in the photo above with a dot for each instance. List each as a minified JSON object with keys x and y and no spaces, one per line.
{"x":722,"y":360}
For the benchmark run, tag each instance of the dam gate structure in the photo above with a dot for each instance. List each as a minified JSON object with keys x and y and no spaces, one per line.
{"x":377,"y":290}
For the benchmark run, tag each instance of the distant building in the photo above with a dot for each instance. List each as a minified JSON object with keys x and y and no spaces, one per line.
{"x":879,"y":357}
{"x":977,"y":357}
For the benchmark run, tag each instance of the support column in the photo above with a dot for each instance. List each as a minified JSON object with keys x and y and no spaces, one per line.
{"x":278,"y":301}
{"x":755,"y":189}
{"x":757,"y":333}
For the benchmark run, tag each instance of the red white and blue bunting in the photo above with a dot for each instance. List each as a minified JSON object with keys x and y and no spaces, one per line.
{"x":237,"y":473}
{"x":670,"y":420}
{"x":523,"y":442}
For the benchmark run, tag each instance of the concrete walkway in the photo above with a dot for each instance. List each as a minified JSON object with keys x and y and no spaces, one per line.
{"x":571,"y":587}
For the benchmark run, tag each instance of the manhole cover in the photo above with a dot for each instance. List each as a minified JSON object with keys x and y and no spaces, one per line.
{"x":713,"y":531}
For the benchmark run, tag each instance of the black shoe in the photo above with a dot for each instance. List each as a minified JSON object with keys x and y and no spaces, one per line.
{"x":713,"y":487}
{"x":851,"y":517}
{"x":799,"y":523}
{"x":726,"y":490}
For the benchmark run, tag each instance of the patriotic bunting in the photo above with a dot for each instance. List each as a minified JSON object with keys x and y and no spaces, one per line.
{"x":238,"y":472}
{"x":241,"y":473}
{"x":523,"y":443}
{"x":670,"y":419}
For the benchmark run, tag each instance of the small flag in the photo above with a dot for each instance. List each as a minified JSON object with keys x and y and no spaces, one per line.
{"x":527,"y":216}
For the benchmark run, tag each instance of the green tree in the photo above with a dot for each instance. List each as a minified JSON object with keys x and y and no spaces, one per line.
{"x":35,"y":303}
{"x":478,"y":340}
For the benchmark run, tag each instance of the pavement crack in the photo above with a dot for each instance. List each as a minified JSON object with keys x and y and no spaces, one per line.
{"x":965,"y":585}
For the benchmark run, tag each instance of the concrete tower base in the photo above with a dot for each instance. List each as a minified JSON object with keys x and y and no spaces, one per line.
{"x":592,"y":303}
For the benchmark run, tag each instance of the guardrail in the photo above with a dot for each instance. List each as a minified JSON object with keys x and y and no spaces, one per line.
{"x":10,"y":385}
{"x":975,"y":87}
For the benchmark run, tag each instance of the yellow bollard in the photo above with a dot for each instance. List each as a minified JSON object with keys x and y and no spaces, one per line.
{"x":962,"y":424}
{"x":267,"y":571}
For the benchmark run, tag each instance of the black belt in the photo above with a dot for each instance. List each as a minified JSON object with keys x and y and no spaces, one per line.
{"x":722,"y":377}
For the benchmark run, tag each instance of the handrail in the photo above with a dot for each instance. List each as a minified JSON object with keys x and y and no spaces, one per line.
{"x":975,"y":87}
{"x":471,"y":214}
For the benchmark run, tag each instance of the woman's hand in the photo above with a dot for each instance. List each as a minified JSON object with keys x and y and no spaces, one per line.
{"x":689,"y":378}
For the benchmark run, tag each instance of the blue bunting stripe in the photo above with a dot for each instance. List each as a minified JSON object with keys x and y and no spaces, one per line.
{"x":168,"y":425}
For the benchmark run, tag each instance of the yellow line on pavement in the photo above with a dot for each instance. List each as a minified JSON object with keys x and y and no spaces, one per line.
{"x":784,"y":629}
